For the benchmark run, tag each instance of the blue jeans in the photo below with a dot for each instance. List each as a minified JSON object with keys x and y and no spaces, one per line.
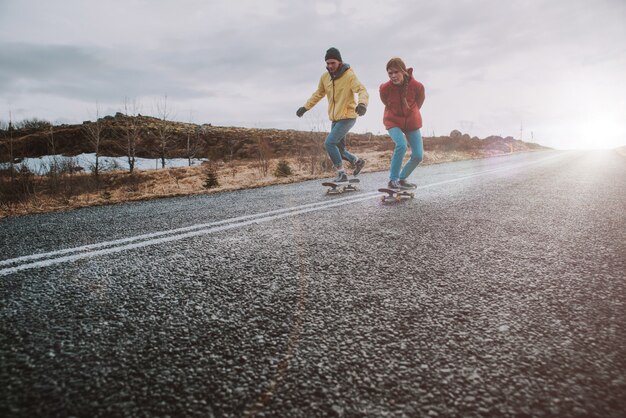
{"x":336,"y":142}
{"x":417,"y":152}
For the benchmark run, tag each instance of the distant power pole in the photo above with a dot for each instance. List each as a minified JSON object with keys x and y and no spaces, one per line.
{"x":521,"y":131}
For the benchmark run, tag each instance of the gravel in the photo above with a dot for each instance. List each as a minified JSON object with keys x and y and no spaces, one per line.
{"x":497,"y":295}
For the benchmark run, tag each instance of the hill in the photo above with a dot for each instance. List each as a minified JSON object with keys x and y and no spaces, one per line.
{"x":238,"y":158}
{"x":180,"y":140}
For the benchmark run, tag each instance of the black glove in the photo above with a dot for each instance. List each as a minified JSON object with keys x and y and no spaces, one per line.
{"x":361,"y":109}
{"x":301,"y":111}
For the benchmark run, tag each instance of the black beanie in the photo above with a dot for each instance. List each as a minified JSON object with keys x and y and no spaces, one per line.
{"x":333,"y":53}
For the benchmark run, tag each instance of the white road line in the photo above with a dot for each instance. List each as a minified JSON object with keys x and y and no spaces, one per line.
{"x":91,"y":247}
{"x":52,"y":261}
{"x":144,"y":240}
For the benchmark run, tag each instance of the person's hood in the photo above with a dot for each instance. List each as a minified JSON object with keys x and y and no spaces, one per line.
{"x":344,"y":67}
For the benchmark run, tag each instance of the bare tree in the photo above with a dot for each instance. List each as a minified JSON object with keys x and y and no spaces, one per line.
{"x":51,"y":142}
{"x":93,"y":132}
{"x":231,"y":145}
{"x":54,"y":170}
{"x":53,"y":148}
{"x":264,"y":155}
{"x":316,"y":150}
{"x":194,"y":133}
{"x":11,"y":156}
{"x":33,"y":123}
{"x":163,"y":129}
{"x":132,"y":131}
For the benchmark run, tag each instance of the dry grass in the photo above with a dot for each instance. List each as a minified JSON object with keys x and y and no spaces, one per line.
{"x":81,"y":190}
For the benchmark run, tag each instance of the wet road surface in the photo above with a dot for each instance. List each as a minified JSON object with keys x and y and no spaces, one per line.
{"x":499,"y":290}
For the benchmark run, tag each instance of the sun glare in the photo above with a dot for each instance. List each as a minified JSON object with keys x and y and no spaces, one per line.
{"x":602,"y":131}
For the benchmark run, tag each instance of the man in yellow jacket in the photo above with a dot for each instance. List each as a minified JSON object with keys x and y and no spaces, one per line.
{"x":339,"y":84}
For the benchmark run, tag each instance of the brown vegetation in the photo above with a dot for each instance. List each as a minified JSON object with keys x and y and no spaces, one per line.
{"x":239,"y":158}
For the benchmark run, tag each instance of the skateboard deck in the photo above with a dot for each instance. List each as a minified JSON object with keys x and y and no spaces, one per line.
{"x":334,"y":188}
{"x":395,"y":194}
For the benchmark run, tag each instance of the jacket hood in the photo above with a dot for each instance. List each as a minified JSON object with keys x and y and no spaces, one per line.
{"x":344,"y":67}
{"x":410,"y":71}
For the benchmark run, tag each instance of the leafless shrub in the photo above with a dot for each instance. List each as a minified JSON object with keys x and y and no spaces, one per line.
{"x":53,"y":174}
{"x":57,"y":177}
{"x":317,"y":157}
{"x":93,"y":132}
{"x":233,"y":168}
{"x":11,"y":154}
{"x":318,"y":160}
{"x":131,"y":131}
{"x":163,"y":129}
{"x":194,"y":136}
{"x":263,"y":156}
{"x":18,"y":187}
{"x":33,"y":123}
{"x":107,"y":164}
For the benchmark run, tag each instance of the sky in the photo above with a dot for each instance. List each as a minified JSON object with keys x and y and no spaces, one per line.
{"x":545,"y":71}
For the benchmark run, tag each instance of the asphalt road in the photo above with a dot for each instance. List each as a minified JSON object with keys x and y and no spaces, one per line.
{"x":499,"y":290}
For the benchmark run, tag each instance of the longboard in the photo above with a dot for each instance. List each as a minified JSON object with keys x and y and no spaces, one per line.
{"x":334,"y":188}
{"x":395,"y":194}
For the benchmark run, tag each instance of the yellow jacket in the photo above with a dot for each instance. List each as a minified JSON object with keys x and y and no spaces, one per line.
{"x":340,"y":92}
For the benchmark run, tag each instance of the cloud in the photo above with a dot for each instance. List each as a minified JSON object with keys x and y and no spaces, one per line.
{"x":486,"y":64}
{"x":86,"y":73}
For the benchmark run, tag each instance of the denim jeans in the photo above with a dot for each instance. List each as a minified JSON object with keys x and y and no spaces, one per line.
{"x":417,"y":152}
{"x":336,"y":142}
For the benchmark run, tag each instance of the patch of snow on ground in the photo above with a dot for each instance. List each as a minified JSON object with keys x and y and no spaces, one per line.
{"x":42,"y":165}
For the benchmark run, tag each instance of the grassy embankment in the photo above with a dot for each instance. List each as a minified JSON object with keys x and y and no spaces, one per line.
{"x":83,"y":190}
{"x":241,"y":158}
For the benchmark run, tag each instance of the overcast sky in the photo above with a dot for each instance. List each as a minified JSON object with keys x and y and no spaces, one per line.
{"x":549,"y":70}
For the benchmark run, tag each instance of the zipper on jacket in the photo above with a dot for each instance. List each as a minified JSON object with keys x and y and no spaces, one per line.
{"x":334,"y":114}
{"x":402,"y":107}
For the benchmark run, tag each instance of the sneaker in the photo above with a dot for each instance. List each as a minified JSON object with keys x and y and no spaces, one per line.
{"x":394,"y":184}
{"x":358,"y":166}
{"x":341,"y":178}
{"x":405,"y":184}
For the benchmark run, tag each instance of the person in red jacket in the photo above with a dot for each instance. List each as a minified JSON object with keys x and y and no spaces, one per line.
{"x":403,"y":97}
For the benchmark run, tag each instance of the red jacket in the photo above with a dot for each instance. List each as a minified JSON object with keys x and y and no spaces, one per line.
{"x":397,"y":115}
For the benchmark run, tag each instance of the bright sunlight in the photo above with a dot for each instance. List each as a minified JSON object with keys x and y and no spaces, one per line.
{"x":601,"y":132}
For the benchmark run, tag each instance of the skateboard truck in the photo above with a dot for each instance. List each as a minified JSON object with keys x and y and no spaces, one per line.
{"x":395,"y":195}
{"x":336,"y":188}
